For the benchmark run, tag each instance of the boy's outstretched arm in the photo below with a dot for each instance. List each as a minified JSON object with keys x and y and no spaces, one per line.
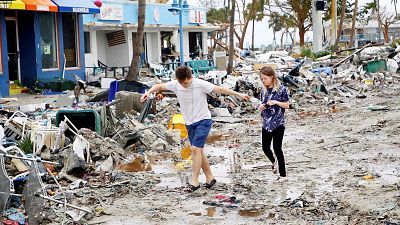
{"x":227,"y":91}
{"x":155,"y":88}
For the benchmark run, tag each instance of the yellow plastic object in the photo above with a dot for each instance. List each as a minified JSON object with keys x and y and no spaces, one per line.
{"x":183,"y":165}
{"x":368,"y":82}
{"x":368,"y":177}
{"x":180,"y":166}
{"x":15,"y":89}
{"x":177,"y":122}
{"x":186,"y":153}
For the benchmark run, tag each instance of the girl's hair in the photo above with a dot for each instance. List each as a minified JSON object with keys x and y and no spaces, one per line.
{"x":268,"y":71}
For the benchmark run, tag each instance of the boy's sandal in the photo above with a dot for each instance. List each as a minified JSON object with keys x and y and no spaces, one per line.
{"x":211,"y":184}
{"x":192,"y":188}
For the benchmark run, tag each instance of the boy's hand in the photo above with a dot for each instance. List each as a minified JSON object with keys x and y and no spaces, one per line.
{"x":245,"y":97}
{"x":144,"y":97}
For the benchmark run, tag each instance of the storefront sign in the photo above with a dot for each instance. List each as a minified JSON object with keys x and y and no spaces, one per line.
{"x":111,"y":12}
{"x":80,"y":10}
{"x":197,"y":16}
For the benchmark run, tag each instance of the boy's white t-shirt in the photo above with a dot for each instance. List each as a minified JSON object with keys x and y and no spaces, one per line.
{"x":192,"y":100}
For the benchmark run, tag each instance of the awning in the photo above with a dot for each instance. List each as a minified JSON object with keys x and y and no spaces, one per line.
{"x":81,"y":6}
{"x":40,"y":5}
{"x":16,"y":4}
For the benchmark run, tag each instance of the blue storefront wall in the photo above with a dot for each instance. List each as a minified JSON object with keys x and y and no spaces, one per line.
{"x":44,"y":75}
{"x":28,"y":57}
{"x":4,"y":90}
{"x":30,"y":52}
{"x":130,"y":13}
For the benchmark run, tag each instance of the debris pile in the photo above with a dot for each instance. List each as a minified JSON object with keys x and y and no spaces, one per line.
{"x":74,"y":157}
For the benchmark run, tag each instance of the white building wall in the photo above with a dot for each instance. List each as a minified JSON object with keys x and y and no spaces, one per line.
{"x":91,"y":58}
{"x":129,"y":56}
{"x":101,"y":46}
{"x":118,"y":55}
{"x":186,"y":56}
{"x":204,"y":36}
{"x":153,"y":40}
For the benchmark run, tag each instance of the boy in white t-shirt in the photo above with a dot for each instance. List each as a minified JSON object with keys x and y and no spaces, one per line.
{"x":192,"y":97}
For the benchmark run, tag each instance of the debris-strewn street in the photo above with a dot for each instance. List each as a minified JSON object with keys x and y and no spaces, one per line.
{"x":343,"y":168}
{"x":341,"y":151}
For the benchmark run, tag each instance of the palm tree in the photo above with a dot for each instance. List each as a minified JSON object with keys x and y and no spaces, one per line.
{"x":133,"y":73}
{"x":353,"y":23}
{"x":339,"y":31}
{"x":231,"y":38}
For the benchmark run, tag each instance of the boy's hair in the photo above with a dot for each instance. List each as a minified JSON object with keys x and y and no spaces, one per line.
{"x":182,"y":73}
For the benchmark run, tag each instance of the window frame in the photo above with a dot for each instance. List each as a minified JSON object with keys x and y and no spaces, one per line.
{"x":90,"y":42}
{"x":77,"y":44}
{"x":57,"y":45}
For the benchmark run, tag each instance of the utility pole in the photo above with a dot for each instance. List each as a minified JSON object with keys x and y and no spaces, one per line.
{"x":317,"y":8}
{"x":333,"y":21}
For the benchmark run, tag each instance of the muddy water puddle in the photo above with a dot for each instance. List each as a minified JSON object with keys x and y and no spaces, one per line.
{"x":251,"y":212}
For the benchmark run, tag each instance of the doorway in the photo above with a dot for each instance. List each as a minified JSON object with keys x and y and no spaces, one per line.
{"x":195,"y":45}
{"x":13,"y":49}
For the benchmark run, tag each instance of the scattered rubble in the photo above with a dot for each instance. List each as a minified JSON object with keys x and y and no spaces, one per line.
{"x":99,"y":153}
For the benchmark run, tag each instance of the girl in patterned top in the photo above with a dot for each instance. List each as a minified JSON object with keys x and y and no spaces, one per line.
{"x":275,"y":100}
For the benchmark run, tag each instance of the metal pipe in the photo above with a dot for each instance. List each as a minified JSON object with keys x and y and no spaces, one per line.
{"x":29,"y":159}
{"x":60,"y":202}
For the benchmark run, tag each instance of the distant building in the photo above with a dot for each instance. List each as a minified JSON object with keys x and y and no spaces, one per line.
{"x":109,"y":35}
{"x":368,"y":32}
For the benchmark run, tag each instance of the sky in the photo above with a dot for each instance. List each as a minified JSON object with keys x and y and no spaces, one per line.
{"x":263,"y":34}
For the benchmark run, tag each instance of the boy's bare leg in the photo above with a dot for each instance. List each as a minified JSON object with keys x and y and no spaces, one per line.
{"x":196,"y":164}
{"x":205,"y":165}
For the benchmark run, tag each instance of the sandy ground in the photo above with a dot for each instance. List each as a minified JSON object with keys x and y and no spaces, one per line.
{"x":343,"y":168}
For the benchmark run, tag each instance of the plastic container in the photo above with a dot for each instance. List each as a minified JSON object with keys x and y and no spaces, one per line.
{"x":177,"y":122}
{"x":87,"y":118}
{"x":375,"y":66}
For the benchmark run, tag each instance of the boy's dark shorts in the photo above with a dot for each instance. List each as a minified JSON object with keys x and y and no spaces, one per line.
{"x":198,"y":132}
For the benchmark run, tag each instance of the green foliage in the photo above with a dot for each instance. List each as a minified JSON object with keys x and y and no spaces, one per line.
{"x":307,"y":52}
{"x":218,"y":15}
{"x":395,"y":43}
{"x":321,"y":54}
{"x":348,"y":11}
{"x":280,"y":22}
{"x":25,"y":145}
{"x":256,"y":8}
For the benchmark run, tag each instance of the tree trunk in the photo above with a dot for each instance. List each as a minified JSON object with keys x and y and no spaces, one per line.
{"x":231,"y":39}
{"x":283,"y":33}
{"x":353,"y":24}
{"x":339,"y":31}
{"x":246,"y":24}
{"x":252,"y":38}
{"x":302,"y":33}
{"x":386,"y":32}
{"x":133,"y":73}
